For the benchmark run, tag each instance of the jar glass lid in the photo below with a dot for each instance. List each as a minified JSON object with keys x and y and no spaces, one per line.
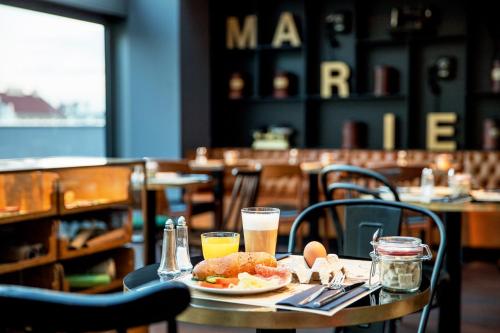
{"x":398,"y":246}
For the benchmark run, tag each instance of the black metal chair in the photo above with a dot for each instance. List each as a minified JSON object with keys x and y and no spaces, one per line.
{"x":347,"y":178}
{"x":39,"y":310}
{"x":368,"y":212}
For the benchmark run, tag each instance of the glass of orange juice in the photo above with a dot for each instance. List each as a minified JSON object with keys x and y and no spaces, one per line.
{"x":219,"y":243}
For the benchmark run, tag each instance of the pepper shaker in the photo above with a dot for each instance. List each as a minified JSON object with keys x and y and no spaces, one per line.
{"x":168,"y":265}
{"x":183,"y":259}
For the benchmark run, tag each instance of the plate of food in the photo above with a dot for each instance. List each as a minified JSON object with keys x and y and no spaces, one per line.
{"x":241,"y":273}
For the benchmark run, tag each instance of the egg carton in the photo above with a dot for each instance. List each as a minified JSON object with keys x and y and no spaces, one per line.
{"x":323,"y":269}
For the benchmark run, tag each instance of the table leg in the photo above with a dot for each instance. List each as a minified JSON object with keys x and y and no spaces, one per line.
{"x":149,"y":229}
{"x":218,"y":177}
{"x":314,"y":198}
{"x":450,"y":307}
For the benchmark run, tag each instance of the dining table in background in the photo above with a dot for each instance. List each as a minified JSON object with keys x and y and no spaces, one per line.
{"x":183,"y":181}
{"x":452,"y":213}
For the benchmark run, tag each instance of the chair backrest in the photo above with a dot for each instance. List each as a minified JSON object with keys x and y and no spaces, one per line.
{"x":346,"y":181}
{"x":408,"y":175}
{"x":243,"y":194}
{"x":46,"y":310}
{"x":391,"y":209}
{"x":350,"y":174}
{"x":277,"y":179}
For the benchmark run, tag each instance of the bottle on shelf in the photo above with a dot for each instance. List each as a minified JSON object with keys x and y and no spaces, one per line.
{"x":168,"y":268}
{"x":183,"y":258}
{"x":495,"y":75}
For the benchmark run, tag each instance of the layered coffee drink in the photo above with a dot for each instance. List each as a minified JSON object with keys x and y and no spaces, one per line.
{"x":260,"y":229}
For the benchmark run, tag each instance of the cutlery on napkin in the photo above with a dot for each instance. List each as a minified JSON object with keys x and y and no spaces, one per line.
{"x":337,"y":298}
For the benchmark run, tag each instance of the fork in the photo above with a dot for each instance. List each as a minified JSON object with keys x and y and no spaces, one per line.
{"x":335,"y":284}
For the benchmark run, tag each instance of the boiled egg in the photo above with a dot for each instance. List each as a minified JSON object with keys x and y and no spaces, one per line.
{"x":312,"y":251}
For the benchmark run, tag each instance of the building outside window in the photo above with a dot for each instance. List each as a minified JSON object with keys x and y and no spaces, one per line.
{"x":52,"y":85}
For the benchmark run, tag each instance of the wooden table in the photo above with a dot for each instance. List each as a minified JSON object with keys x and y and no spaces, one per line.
{"x":366,"y":310}
{"x":450,"y":311}
{"x":154,"y":184}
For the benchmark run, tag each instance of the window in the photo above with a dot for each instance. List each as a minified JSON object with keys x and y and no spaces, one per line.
{"x":52,"y":85}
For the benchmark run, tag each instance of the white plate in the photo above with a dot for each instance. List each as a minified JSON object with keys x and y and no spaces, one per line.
{"x":233,"y":291}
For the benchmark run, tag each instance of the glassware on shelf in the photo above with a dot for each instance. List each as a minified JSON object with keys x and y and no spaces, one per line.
{"x":201,"y":155}
{"x":231,"y":157}
{"x":293,"y":156}
{"x":427,"y":183}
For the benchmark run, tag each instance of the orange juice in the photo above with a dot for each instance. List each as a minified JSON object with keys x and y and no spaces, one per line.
{"x":219,"y":244}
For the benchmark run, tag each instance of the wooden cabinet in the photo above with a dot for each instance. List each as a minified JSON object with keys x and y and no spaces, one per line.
{"x":65,"y":216}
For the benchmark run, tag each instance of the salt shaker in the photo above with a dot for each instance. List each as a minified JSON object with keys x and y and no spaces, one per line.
{"x":183,"y":259}
{"x":168,"y":265}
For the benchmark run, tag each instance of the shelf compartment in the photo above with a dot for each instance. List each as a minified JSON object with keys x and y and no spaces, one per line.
{"x":27,"y":195}
{"x":46,"y":277}
{"x":33,"y":232}
{"x":123,"y":261}
{"x":92,"y":188}
{"x":359,"y":97}
{"x":291,"y":99}
{"x":380,"y":42}
{"x":115,"y":237}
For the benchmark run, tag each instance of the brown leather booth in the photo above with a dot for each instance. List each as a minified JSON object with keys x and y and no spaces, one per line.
{"x":484,"y":166}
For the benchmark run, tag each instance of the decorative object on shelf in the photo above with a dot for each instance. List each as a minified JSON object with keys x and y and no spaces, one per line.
{"x":491,"y":134}
{"x":286,"y":31}
{"x":386,"y":80}
{"x":273,"y":138}
{"x":389,"y":131}
{"x":284,"y":84}
{"x":338,"y":22}
{"x":444,"y":68}
{"x":441,"y":125}
{"x":353,"y":136}
{"x":15,"y":253}
{"x":99,"y":274}
{"x":335,"y":74}
{"x":238,"y":85}
{"x":412,"y":20}
{"x":495,"y":75}
{"x":241,"y":38}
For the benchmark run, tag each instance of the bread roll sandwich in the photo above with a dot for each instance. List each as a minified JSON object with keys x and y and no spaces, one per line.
{"x":233,"y":264}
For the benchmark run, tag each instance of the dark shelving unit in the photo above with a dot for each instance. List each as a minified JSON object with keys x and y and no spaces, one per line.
{"x":318,"y":121}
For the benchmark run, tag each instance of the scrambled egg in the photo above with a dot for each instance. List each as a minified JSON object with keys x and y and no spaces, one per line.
{"x":247,"y":281}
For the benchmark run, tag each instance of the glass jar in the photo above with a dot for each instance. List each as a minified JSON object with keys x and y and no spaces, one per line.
{"x":399,"y":261}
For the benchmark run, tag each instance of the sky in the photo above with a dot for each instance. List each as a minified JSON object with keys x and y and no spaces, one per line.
{"x":61,"y":59}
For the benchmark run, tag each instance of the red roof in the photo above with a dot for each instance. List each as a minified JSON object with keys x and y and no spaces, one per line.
{"x":29,"y":105}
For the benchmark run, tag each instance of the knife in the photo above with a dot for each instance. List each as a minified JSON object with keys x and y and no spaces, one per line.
{"x":334,"y":296}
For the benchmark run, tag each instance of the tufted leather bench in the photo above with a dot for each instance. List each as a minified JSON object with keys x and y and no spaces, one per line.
{"x":484,"y":166}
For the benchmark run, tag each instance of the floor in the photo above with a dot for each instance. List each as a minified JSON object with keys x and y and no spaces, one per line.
{"x":480,"y":305}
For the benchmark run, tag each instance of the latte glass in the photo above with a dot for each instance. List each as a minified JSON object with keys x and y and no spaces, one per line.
{"x":260,"y":229}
